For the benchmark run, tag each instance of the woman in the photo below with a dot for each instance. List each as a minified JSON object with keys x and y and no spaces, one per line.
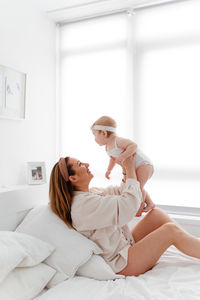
{"x":102,"y":216}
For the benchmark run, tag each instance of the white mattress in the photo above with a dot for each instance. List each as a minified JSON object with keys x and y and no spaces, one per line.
{"x":175,"y":277}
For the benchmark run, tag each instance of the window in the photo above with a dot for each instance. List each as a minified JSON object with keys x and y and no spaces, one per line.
{"x":143,"y":69}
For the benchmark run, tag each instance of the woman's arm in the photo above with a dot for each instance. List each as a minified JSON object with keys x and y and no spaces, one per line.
{"x":129,"y":165}
{"x":117,"y":190}
{"x":91,"y":211}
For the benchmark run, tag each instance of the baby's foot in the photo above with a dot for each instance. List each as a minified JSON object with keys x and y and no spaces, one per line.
{"x":140,"y":210}
{"x":148,"y":207}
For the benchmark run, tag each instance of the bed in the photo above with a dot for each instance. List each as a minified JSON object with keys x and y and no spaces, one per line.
{"x":40,"y":264}
{"x":174,"y":277}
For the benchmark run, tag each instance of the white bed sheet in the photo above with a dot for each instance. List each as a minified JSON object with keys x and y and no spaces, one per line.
{"x":175,"y":277}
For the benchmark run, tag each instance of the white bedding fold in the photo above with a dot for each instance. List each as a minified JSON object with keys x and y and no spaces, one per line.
{"x":175,"y":277}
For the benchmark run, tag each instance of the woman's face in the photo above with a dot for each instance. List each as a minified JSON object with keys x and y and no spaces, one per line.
{"x":82,"y":175}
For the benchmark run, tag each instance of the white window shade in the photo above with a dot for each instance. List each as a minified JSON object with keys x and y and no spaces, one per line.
{"x":100,"y":31}
{"x":170,"y":105}
{"x":168,"y":97}
{"x":169,"y":21}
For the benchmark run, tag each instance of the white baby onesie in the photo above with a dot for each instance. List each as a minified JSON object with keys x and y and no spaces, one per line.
{"x":140,"y":159}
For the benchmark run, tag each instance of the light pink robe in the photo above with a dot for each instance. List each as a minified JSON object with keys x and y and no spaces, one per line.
{"x":102,"y":216}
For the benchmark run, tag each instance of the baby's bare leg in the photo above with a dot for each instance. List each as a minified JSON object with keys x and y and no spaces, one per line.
{"x":143,"y":173}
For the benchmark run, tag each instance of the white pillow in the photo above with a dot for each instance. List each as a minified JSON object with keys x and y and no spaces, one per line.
{"x":11,"y":221}
{"x":9,"y":259}
{"x":18,"y":249}
{"x":72,"y":248}
{"x":97,"y":268}
{"x":25,"y":283}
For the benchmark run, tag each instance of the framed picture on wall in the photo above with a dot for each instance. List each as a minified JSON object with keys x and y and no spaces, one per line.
{"x":12,"y":93}
{"x":36,"y":172}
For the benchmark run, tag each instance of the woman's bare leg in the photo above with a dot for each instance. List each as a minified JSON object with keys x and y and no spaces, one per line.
{"x":147,"y":251}
{"x":151,"y":221}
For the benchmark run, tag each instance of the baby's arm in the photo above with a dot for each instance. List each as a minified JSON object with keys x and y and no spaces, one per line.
{"x":129,"y":148}
{"x":110,"y":167}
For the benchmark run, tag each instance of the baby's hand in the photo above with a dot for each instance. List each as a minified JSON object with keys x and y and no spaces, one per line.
{"x":107,"y":175}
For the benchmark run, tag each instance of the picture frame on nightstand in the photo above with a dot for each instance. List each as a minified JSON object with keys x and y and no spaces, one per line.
{"x":36,"y":172}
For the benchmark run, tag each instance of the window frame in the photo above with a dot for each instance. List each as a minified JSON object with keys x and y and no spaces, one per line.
{"x":171,"y":209}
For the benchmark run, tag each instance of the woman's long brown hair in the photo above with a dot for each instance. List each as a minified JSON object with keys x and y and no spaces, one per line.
{"x":61,"y":193}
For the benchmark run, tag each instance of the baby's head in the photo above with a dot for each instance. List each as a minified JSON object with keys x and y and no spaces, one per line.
{"x":103,"y":129}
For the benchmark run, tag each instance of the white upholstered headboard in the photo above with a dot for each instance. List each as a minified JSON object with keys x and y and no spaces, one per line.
{"x":15,"y":202}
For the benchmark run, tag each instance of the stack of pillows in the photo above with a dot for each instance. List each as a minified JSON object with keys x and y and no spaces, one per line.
{"x":43,"y":242}
{"x":22,"y":273}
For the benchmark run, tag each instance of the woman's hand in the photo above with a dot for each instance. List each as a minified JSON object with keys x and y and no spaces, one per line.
{"x":129,"y":161}
{"x":119,"y":161}
{"x":124,"y":162}
{"x":129,"y":165}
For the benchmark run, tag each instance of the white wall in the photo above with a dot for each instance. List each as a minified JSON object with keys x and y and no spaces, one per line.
{"x":27,"y":44}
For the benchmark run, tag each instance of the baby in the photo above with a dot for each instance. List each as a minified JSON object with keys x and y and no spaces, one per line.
{"x":119,"y":149}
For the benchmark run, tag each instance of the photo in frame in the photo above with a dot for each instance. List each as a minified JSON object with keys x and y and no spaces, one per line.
{"x":12,"y":93}
{"x":36,"y":172}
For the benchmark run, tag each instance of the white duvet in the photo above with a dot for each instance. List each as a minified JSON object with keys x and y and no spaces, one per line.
{"x":176,"y":276}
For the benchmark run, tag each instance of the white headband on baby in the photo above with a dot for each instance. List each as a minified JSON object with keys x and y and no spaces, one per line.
{"x":102,"y":127}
